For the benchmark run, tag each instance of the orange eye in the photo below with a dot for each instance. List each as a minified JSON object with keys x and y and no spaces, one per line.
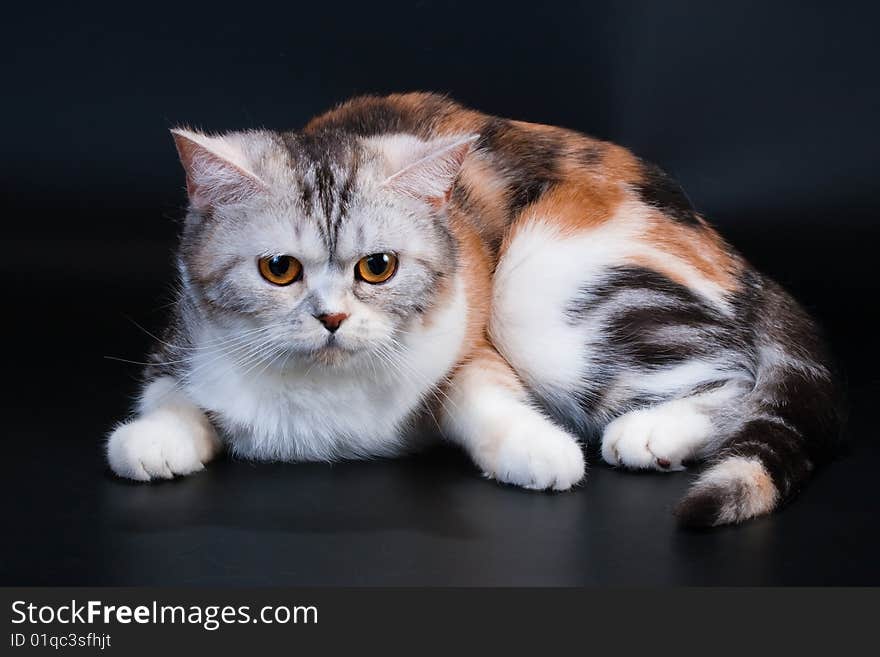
{"x":280,"y":269}
{"x":376,"y":268}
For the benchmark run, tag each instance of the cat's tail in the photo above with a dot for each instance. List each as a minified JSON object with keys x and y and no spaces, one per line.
{"x":791,"y":422}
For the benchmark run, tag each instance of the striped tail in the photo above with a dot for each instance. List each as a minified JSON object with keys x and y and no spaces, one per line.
{"x":792,"y":422}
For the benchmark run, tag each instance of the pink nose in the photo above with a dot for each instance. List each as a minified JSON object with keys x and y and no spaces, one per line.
{"x":332,"y":321}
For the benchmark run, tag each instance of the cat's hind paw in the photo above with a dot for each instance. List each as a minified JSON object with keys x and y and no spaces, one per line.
{"x":161,"y":445}
{"x":656,"y":438}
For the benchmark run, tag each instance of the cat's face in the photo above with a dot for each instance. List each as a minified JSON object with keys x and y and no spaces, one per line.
{"x":329,"y":252}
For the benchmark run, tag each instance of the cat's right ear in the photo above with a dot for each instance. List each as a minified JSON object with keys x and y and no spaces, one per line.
{"x":216,"y":169}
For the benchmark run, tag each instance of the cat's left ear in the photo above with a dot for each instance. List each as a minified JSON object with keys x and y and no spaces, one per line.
{"x":217,"y":170}
{"x":425,"y":170}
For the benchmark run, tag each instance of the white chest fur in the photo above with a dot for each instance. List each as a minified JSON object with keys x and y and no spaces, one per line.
{"x":313,"y":413}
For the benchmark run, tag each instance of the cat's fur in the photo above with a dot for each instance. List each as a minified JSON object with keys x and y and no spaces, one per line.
{"x":551,"y":287}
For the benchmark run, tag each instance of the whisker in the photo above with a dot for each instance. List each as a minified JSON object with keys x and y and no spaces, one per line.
{"x":241,"y":354}
{"x":206,"y":344}
{"x":189,"y":358}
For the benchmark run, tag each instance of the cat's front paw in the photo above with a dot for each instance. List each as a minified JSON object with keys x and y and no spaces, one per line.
{"x":536,"y":454}
{"x":161,"y":445}
{"x":656,"y":438}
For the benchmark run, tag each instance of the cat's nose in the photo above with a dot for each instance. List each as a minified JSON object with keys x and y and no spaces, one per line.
{"x":332,"y":321}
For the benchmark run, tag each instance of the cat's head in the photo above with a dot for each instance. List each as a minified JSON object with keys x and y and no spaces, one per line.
{"x":325,"y":247}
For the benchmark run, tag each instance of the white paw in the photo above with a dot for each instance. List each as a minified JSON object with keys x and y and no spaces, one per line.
{"x":161,"y":444}
{"x":658,"y":438}
{"x":536,"y":454}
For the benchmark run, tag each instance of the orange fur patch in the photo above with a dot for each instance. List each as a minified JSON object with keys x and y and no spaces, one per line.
{"x":485,"y":198}
{"x":699,"y":247}
{"x":578,"y":204}
{"x":476,"y":268}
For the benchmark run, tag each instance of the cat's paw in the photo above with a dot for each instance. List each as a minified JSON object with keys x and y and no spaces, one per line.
{"x":160,"y":445}
{"x":656,"y":438}
{"x":536,"y":454}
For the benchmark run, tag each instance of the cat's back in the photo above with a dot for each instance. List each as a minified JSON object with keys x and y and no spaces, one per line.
{"x":515,"y":164}
{"x":527,"y":156}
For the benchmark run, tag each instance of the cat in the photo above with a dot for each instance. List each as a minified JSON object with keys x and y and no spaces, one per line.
{"x":404,"y":266}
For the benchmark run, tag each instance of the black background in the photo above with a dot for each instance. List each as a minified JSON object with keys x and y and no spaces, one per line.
{"x":766,"y":112}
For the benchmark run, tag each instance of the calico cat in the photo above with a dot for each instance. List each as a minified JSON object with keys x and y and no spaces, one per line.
{"x":404,"y":264}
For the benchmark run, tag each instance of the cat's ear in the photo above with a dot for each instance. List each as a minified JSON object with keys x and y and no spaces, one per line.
{"x":425,"y":170}
{"x":216,"y":169}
